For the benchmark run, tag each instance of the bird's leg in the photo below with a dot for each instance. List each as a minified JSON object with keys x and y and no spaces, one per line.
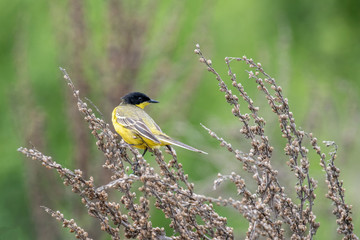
{"x":137,"y":163}
{"x":172,"y":152}
{"x":144,"y":151}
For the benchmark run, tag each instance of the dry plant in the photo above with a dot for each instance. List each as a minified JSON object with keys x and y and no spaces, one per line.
{"x":268,"y":210}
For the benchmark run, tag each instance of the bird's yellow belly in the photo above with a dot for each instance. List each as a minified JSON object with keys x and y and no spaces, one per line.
{"x":133,"y":138}
{"x":129,"y":136}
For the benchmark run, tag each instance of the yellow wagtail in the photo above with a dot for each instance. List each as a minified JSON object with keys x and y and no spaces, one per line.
{"x":137,"y":128}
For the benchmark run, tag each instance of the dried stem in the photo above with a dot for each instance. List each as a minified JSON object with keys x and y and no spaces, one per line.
{"x":191,"y":217}
{"x":268,"y":210}
{"x":270,"y":198}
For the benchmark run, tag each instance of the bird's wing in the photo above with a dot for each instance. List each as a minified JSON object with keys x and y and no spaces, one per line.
{"x":138,"y":126}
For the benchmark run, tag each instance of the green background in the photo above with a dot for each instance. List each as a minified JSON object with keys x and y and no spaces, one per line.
{"x":113,"y":47}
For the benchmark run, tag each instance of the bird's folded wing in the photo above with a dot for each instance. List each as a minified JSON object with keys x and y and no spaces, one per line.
{"x":138,"y":126}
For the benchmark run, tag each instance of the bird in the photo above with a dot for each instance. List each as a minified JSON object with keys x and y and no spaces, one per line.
{"x":137,"y":128}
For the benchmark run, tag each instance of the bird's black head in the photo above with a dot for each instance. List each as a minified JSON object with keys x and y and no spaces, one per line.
{"x":137,"y":98}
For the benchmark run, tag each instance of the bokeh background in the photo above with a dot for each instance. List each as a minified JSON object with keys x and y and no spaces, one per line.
{"x":112,"y":47}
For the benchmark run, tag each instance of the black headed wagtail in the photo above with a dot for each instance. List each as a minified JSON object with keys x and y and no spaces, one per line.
{"x":137,"y":128}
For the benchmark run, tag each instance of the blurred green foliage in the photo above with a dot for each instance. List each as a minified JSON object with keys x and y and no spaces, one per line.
{"x":112,"y":47}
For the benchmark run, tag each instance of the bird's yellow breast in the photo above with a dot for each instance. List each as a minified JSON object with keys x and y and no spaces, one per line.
{"x":128,"y":135}
{"x":131,"y":136}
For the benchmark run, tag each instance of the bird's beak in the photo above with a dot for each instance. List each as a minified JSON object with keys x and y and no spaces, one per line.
{"x":153,"y":101}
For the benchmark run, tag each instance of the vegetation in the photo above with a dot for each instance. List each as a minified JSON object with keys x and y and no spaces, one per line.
{"x":114,"y":47}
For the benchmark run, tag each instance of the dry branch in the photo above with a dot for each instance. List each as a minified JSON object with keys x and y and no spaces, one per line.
{"x":268,"y":210}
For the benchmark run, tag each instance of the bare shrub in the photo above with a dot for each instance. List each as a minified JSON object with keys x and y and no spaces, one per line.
{"x":268,"y":210}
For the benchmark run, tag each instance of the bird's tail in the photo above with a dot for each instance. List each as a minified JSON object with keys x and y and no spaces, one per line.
{"x":170,"y":141}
